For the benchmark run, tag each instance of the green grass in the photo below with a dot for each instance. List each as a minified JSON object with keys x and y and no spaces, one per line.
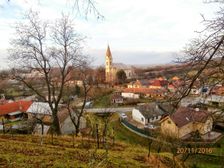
{"x":26,"y":151}
{"x":102,"y":101}
{"x":203,"y":161}
{"x":130,"y":150}
{"x":124,"y":135}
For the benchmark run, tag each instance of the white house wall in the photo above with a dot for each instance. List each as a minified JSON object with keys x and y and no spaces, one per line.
{"x":154,"y":119}
{"x":137,"y":116}
{"x":130,"y":95}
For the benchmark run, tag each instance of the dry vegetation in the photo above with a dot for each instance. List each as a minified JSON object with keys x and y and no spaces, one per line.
{"x":26,"y":151}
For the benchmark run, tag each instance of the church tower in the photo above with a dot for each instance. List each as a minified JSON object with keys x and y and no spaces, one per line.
{"x":108,"y":65}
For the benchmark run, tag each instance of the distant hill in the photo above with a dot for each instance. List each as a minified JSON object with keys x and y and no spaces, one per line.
{"x":167,"y":70}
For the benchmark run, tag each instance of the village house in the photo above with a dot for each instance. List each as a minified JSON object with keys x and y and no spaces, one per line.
{"x":158,"y":83}
{"x":171,"y":87}
{"x":14,"y":111}
{"x":144,"y":92}
{"x":148,"y":113}
{"x":66,"y":125}
{"x":130,"y":95}
{"x":217,"y":90}
{"x":175,"y":78}
{"x":215,"y":100}
{"x":195,"y":91}
{"x":186,"y":121}
{"x":117,"y":99}
{"x":144,"y":83}
{"x":174,"y":84}
{"x":41,"y":111}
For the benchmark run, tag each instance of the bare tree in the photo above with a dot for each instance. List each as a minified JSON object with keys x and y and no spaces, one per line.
{"x":100,"y":75}
{"x":76,"y":113}
{"x":86,"y":7}
{"x":205,"y":54}
{"x":49,"y":49}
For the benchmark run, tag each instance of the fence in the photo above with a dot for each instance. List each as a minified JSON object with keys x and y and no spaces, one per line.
{"x":141,"y":132}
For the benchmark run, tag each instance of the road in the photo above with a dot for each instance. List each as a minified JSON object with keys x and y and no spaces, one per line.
{"x":114,"y":110}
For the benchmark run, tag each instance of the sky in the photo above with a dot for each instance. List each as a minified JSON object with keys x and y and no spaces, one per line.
{"x":144,"y":32}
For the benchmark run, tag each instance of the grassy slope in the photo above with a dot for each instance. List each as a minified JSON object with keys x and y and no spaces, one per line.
{"x":202,"y":161}
{"x":213,"y":160}
{"x":130,"y":151}
{"x":26,"y":151}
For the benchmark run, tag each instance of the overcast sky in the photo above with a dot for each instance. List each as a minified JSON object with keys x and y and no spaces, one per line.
{"x":138,"y":31}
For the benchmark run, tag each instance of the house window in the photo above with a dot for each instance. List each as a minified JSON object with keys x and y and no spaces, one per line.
{"x":168,"y":122}
{"x":142,"y":119}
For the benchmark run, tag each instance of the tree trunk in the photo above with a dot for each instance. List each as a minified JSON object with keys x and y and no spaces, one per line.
{"x":97,"y":137}
{"x":105,"y":134}
{"x":73,"y":139}
{"x":56,"y":124}
{"x":149,"y":147}
{"x":3,"y":125}
{"x":113,"y":136}
{"x":42,"y":133}
{"x":52,"y":137}
{"x":76,"y":129}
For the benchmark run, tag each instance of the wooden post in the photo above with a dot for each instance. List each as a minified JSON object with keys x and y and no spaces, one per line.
{"x":97,"y":136}
{"x":73,"y":139}
{"x":3,"y":125}
{"x":11,"y":131}
{"x":42,"y":133}
{"x":149,"y":147}
{"x":113,"y":136}
{"x":52,"y":138}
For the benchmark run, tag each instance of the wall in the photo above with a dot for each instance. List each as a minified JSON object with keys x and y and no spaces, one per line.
{"x":168,"y":127}
{"x":130,"y":95}
{"x":186,"y":129}
{"x":154,"y":119}
{"x":67,"y":127}
{"x":204,"y":128}
{"x":137,"y":116}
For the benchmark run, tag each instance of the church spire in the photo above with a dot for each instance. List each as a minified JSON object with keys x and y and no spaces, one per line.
{"x":108,"y":53}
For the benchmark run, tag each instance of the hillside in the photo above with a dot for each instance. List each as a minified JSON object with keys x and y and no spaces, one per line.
{"x":26,"y":151}
{"x":129,"y":150}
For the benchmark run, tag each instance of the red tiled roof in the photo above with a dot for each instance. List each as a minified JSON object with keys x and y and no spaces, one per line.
{"x":143,"y":90}
{"x":3,"y":101}
{"x":175,"y":78}
{"x":186,"y":115}
{"x":218,"y":90}
{"x":160,"y":83}
{"x":15,"y":106}
{"x":171,"y":86}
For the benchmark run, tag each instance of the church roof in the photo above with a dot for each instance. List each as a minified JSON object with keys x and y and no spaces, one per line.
{"x":121,"y":66}
{"x":108,"y":52}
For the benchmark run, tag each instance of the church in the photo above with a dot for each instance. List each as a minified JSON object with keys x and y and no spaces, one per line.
{"x":112,"y":68}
